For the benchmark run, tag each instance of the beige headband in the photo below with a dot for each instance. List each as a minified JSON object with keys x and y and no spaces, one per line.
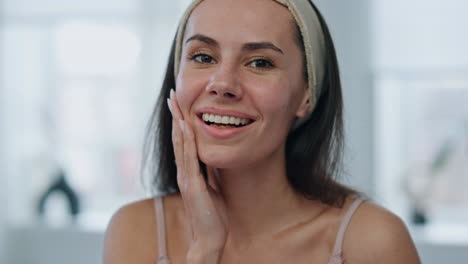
{"x":312,"y":34}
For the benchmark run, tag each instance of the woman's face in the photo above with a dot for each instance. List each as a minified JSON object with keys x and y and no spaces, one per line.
{"x":241,"y":63}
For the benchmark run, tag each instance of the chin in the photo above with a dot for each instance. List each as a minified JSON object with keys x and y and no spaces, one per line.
{"x":223,"y":158}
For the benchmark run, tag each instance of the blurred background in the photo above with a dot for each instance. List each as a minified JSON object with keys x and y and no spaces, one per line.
{"x":78,"y":80}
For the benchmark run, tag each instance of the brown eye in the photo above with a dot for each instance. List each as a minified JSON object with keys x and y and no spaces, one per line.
{"x":261,"y":63}
{"x":202,"y":58}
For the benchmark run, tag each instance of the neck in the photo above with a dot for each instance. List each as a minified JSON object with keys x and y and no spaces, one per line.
{"x":257,"y":198}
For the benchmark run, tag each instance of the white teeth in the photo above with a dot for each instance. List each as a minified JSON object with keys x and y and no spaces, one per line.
{"x":232,"y":120}
{"x":224,"y":119}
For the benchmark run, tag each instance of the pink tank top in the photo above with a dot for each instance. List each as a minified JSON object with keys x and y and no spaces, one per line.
{"x":336,"y":257}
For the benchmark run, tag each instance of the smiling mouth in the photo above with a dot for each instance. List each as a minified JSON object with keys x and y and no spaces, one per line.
{"x":220,"y":121}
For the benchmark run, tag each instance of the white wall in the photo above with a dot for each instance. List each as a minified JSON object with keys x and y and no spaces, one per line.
{"x":44,"y":8}
{"x":350,"y":25}
{"x":420,"y":34}
{"x":3,"y":187}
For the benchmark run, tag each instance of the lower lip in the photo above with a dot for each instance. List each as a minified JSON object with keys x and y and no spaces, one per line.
{"x":223,"y":133}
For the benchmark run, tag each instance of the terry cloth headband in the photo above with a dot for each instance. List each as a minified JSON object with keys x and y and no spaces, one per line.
{"x":312,"y":35}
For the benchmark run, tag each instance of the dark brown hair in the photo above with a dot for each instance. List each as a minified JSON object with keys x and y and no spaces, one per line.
{"x":313,"y":151}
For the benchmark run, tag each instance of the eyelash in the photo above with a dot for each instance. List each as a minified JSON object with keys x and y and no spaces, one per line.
{"x":265,"y":59}
{"x":193,"y":57}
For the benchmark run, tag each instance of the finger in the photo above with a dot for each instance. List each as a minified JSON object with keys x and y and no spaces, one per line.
{"x":197,"y":200}
{"x":178,"y":145}
{"x":177,"y":139}
{"x":214,"y":187}
{"x":183,"y":177}
{"x":201,"y":204}
{"x":176,"y":112}
{"x":191,"y":168}
{"x":191,"y":162}
{"x":169,"y":105}
{"x":177,"y":133}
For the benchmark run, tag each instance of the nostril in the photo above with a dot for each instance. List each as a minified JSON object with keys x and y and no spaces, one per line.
{"x":230,"y":95}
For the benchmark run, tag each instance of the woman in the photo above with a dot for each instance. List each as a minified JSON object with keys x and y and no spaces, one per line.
{"x":255,"y":129}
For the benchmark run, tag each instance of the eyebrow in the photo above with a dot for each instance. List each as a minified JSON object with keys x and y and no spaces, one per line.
{"x":203,"y":38}
{"x":261,"y":45}
{"x":246,"y":47}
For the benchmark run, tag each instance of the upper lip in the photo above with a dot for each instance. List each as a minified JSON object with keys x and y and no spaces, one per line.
{"x":224,"y":112}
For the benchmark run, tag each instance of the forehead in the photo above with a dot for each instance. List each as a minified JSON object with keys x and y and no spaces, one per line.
{"x":242,"y":21}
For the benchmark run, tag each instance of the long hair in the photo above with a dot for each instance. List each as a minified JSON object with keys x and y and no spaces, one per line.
{"x":314,"y":150}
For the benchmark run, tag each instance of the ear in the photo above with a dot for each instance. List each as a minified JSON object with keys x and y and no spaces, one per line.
{"x":305,"y":105}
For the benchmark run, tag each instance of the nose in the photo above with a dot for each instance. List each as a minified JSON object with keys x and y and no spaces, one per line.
{"x":224,"y":84}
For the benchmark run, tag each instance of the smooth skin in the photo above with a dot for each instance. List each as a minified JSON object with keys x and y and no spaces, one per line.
{"x":246,"y":212}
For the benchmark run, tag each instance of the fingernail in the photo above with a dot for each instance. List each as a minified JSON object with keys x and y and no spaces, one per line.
{"x":169,"y":104}
{"x":172,"y":94}
{"x":182,"y":125}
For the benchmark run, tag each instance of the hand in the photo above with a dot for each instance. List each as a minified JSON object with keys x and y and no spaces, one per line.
{"x":203,"y":204}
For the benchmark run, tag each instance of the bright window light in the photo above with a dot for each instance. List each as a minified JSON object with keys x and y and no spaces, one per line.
{"x":91,"y":49}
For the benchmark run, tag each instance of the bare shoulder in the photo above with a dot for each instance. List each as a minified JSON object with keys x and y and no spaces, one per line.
{"x":375,"y":235}
{"x":130,"y":235}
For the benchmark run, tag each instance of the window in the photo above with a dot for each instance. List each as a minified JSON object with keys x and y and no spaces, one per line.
{"x":422,"y":141}
{"x":80,"y":83}
{"x":420,"y":86}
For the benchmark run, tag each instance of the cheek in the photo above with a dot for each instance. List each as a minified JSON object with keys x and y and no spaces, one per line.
{"x":188,"y":88}
{"x":274,"y":97}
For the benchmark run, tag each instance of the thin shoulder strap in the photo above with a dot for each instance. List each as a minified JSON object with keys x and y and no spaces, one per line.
{"x":344,"y":225}
{"x":161,"y":229}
